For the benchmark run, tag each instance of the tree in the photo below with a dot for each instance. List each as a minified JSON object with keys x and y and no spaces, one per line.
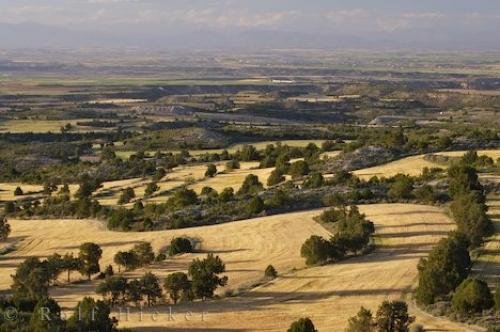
{"x":282,"y":163}
{"x":463,"y":179}
{"x":127,"y":259}
{"x":10,"y":207}
{"x":232,"y":164}
{"x":114,"y":288}
{"x":256,"y":205}
{"x":226,"y":195}
{"x":18,"y":191}
{"x":472,"y":296}
{"x":133,"y":292}
{"x":183,"y":197}
{"x":251,"y":185}
{"x":393,"y":317}
{"x":71,"y":263}
{"x":46,"y":316}
{"x":144,"y":253}
{"x":151,"y":188}
{"x":248,"y":153}
{"x":298,"y":169}
{"x":205,"y":276}
{"x":316,"y":250}
{"x":443,"y":270}
{"x":270,"y":272}
{"x":91,"y":315}
{"x":127,"y":195}
{"x":150,"y":288}
{"x":211,"y":171}
{"x":31,"y":279}
{"x":425,"y":194}
{"x":4,"y":229}
{"x":55,"y":266}
{"x":471,"y":218}
{"x":275,"y":178}
{"x":314,"y":180}
{"x":362,"y":322}
{"x":90,"y":254}
{"x":180,"y":245}
{"x":402,"y":187}
{"x":176,"y":284}
{"x":302,"y":325}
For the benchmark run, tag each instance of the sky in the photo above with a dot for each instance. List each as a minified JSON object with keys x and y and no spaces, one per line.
{"x":459,"y":24}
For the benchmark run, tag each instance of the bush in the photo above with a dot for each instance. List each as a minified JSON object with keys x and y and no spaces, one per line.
{"x":270,"y":272}
{"x":298,"y":169}
{"x":472,"y":296}
{"x":314,"y":180}
{"x":255,"y":206}
{"x":402,"y":187}
{"x":232,"y":164}
{"x":127,"y":195}
{"x":18,"y":191}
{"x":425,"y":194}
{"x":275,"y":178}
{"x":180,"y":245}
{"x":302,"y":325}
{"x":211,"y":171}
{"x":251,"y":185}
{"x":316,"y":250}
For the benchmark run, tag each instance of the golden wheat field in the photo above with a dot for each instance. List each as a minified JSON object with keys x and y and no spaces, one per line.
{"x":413,"y":165}
{"x":328,"y":294}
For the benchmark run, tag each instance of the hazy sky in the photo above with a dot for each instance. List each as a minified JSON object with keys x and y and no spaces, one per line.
{"x":397,"y":20}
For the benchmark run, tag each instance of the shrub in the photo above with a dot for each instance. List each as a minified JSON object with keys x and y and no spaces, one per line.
{"x":270,"y":272}
{"x":314,"y":180}
{"x":151,"y":188}
{"x":302,"y":325}
{"x":18,"y":191}
{"x":4,"y":229}
{"x":424,"y":194}
{"x":232,"y":164}
{"x":255,"y":206}
{"x":298,"y":169}
{"x":211,"y":170}
{"x":127,"y":195}
{"x":180,"y":245}
{"x":316,"y":250}
{"x":251,"y":185}
{"x":275,"y":178}
{"x":402,"y":187}
{"x":472,"y":296}
{"x":226,"y":195}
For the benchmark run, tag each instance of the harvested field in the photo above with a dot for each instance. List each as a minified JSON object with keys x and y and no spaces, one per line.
{"x":413,"y":165}
{"x":327,"y":294}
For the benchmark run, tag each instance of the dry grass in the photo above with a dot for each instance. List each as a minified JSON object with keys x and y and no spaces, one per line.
{"x":413,"y":165}
{"x":328,"y":294}
{"x":43,"y":126}
{"x":7,"y":191}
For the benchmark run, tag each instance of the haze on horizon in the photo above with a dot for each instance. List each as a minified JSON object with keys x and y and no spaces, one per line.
{"x":243,"y":24}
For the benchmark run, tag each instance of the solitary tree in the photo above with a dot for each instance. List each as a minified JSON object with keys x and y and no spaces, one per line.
{"x":270,"y":272}
{"x":180,"y":245}
{"x":211,"y":171}
{"x":90,"y":254}
{"x":144,"y":253}
{"x":18,"y":191}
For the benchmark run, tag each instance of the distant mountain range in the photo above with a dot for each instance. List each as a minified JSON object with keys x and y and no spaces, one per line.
{"x":29,"y":35}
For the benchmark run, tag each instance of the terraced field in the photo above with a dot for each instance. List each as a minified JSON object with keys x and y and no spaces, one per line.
{"x":327,"y":294}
